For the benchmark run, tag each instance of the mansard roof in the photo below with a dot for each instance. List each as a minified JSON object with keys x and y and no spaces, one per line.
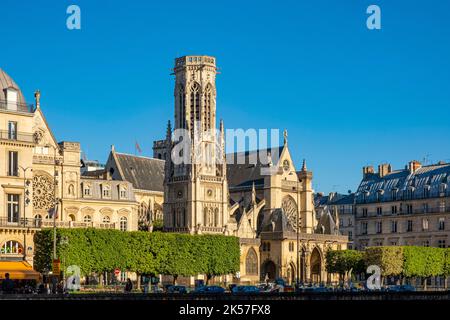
{"x":427,"y":181}
{"x":144,"y":173}
{"x":243,"y":175}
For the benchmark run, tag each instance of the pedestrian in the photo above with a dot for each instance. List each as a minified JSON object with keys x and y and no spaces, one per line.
{"x":129,"y":285}
{"x":7,"y":285}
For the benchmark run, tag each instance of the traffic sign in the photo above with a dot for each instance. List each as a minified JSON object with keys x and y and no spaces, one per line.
{"x":56,"y":266}
{"x":116,"y":272}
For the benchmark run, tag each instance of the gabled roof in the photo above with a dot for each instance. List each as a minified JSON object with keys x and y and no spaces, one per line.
{"x":144,"y":173}
{"x":244,"y":173}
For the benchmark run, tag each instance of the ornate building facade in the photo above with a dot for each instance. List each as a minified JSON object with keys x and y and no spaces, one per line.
{"x":38,"y":174}
{"x":272,"y":214}
{"x":409,"y":206}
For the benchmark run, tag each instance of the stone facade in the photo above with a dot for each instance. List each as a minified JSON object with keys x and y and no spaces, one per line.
{"x":265,"y":210}
{"x":403,"y":207}
{"x":37,"y":173}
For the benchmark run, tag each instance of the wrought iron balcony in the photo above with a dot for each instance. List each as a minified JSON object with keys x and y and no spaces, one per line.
{"x":16,"y":136}
{"x":16,"y":106}
{"x":20,"y":223}
{"x":75,"y":224}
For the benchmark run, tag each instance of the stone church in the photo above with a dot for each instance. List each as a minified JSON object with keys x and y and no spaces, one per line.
{"x":272,"y":214}
{"x":208,"y":192}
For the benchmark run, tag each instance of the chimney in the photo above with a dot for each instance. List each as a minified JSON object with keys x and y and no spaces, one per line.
{"x":331,"y":196}
{"x":367,"y":170}
{"x":384,"y":169}
{"x":414,"y":165}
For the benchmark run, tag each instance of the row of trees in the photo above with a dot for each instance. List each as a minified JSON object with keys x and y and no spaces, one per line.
{"x":97,"y":251}
{"x":401,"y":261}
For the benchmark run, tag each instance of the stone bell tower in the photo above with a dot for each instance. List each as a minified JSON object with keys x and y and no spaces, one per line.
{"x":196,"y":190}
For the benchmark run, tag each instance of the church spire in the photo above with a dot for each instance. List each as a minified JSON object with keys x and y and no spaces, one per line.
{"x":304,"y":165}
{"x":169,"y":131}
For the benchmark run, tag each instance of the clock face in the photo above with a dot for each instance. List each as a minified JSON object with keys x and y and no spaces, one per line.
{"x":286,"y":165}
{"x":290,"y":209}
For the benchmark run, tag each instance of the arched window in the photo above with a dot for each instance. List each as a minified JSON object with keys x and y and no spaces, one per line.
{"x":106,"y":219}
{"x":216,"y":217}
{"x":38,"y":217}
{"x":194,"y":104}
{"x":123,"y":224}
{"x":87,"y":219}
{"x":143,"y":215}
{"x":11,"y":247}
{"x":182,"y":107}
{"x":205,"y":216}
{"x":251,"y":262}
{"x":207,"y":107}
{"x":72,"y":217}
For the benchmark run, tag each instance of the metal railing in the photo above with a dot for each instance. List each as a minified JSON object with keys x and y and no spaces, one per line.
{"x":16,"y":106}
{"x":75,"y":224}
{"x":16,"y":136}
{"x":20,"y":223}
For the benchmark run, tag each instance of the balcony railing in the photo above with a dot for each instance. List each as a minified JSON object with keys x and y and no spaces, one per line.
{"x":20,"y":223}
{"x":16,"y":136}
{"x":75,"y":224}
{"x":16,"y":106}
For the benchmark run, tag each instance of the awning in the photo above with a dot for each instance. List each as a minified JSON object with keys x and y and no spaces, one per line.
{"x":18,"y":270}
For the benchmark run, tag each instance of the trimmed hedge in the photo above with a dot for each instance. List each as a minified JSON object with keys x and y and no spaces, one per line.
{"x":97,"y":250}
{"x":342,"y":261}
{"x":389,"y":259}
{"x":408,"y":261}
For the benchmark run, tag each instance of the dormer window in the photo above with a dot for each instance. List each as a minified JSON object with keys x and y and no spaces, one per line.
{"x":87,"y":190}
{"x":394,"y":194}
{"x":11,"y":99}
{"x":106,"y":191}
{"x":123,"y":192}
{"x":426,"y":191}
{"x":442,"y":189}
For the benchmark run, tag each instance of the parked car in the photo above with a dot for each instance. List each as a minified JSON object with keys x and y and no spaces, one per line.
{"x":176,"y":289}
{"x":245,"y":289}
{"x":209,"y":289}
{"x":401,"y":288}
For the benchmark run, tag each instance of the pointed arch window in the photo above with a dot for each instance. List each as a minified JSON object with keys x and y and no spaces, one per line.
{"x":194,"y":104}
{"x":216,"y":217}
{"x":207,"y":103}
{"x":182,"y":101}
{"x":251,"y":262}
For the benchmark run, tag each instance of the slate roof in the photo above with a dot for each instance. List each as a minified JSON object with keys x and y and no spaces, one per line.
{"x":344,"y":200}
{"x":277,"y":222}
{"x":242,"y":173}
{"x":405,"y":184}
{"x":144,"y":173}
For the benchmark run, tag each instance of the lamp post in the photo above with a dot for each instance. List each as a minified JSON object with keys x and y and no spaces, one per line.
{"x":24,"y":189}
{"x":24,"y":211}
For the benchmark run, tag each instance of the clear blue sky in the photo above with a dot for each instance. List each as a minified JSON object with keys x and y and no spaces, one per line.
{"x":348,"y":96}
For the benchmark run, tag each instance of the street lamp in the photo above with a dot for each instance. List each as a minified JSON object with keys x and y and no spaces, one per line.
{"x":25,"y":190}
{"x":24,"y":205}
{"x":55,"y":205}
